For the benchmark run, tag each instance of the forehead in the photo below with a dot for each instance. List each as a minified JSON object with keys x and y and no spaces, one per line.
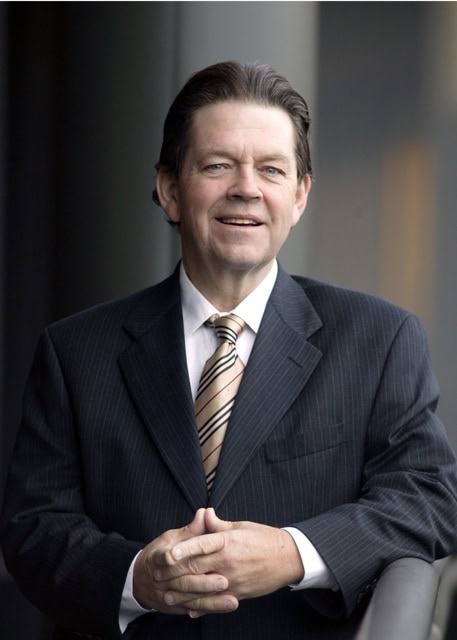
{"x":234,"y":123}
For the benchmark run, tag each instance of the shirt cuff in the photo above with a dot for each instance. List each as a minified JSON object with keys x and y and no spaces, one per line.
{"x":129,"y":609}
{"x":317,"y":575}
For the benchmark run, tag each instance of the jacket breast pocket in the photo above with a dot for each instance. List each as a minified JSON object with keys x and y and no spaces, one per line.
{"x":309,"y":442}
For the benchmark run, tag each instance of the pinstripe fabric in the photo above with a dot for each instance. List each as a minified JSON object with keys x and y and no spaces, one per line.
{"x":333,"y":432}
{"x":217,"y":391}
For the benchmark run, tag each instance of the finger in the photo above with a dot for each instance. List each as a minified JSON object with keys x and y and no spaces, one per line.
{"x":162,"y":555}
{"x":191,"y":588}
{"x":199,"y":546}
{"x":197,"y":584}
{"x":198,"y":526}
{"x":216,"y":603}
{"x":215,"y":524}
{"x":196,"y":556}
{"x":196,"y":614}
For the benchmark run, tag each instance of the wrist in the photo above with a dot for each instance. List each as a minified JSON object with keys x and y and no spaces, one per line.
{"x":291,"y":560}
{"x":139,"y":580}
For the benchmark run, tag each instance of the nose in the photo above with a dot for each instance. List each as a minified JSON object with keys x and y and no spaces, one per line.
{"x":245,"y":185}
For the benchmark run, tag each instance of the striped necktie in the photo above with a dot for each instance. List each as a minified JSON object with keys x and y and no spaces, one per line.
{"x":216,"y":393}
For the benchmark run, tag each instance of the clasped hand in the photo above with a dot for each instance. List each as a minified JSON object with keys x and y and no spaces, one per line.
{"x":211,"y":564}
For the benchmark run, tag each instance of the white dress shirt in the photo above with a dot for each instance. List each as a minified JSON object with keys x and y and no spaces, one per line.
{"x":201,"y":342}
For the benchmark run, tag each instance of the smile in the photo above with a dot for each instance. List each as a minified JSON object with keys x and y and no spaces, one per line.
{"x":239,"y":222}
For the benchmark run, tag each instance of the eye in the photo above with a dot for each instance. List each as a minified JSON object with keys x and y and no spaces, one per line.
{"x":216,"y":167}
{"x":272,"y":171}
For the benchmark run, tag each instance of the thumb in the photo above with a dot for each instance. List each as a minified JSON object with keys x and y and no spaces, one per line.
{"x":198,"y":525}
{"x":215,"y":524}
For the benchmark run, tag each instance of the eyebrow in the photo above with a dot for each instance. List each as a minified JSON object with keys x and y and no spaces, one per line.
{"x":277,"y":157}
{"x":223,"y":153}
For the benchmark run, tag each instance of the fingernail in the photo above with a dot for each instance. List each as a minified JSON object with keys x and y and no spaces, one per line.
{"x":221,"y":584}
{"x":229,"y":605}
{"x":158,"y":574}
{"x":194,"y":614}
{"x":177,"y":553}
{"x":169,"y":598}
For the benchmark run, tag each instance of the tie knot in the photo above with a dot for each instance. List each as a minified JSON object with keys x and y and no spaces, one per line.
{"x":228,"y":327}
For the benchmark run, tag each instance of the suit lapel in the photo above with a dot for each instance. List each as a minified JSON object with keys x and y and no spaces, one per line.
{"x":155,"y":372}
{"x":281,"y":363}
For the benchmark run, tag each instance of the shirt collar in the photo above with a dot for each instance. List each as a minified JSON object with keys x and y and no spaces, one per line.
{"x":197,"y":309}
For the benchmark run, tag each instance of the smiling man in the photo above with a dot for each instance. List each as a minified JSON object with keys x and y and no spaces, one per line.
{"x":234,"y":452}
{"x":236,"y":197}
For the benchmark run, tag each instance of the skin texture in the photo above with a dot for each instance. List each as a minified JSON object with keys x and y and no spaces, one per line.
{"x":235,"y":200}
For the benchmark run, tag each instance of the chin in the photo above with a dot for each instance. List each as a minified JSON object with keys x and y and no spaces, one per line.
{"x":244,"y":263}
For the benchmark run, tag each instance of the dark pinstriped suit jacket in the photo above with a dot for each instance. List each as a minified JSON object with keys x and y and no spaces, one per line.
{"x":333,"y":432}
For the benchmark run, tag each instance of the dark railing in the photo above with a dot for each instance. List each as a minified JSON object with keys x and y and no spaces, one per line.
{"x":412,"y":601}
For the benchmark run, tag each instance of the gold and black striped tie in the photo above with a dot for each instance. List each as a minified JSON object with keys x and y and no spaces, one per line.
{"x":216,"y":393}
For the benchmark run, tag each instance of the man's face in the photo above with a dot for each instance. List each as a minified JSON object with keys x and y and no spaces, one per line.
{"x":237,"y":195}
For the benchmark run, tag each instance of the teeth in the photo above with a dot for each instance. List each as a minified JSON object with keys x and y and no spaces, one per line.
{"x":238,"y":221}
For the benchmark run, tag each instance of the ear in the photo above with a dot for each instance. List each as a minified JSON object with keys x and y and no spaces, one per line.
{"x":301,"y":198}
{"x":166,"y":187}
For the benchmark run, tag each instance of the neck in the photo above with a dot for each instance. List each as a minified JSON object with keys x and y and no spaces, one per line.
{"x":227,"y":289}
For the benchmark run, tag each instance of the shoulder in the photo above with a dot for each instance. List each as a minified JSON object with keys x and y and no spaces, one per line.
{"x":360,"y":325}
{"x":335,"y":300}
{"x":340,"y":307}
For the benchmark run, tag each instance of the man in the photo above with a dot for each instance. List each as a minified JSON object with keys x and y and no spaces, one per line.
{"x":330,"y":463}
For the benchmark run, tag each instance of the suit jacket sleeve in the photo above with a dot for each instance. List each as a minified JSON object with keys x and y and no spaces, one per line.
{"x":61,"y":559}
{"x":407,"y":504}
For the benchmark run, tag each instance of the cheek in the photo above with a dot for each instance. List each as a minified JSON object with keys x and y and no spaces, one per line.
{"x":194,"y":225}
{"x":197,"y":208}
{"x":286,"y":217}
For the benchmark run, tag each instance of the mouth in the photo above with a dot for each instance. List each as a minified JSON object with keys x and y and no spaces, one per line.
{"x":239,"y":222}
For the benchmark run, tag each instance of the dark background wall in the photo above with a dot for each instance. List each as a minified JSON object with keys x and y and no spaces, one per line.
{"x":84,"y":88}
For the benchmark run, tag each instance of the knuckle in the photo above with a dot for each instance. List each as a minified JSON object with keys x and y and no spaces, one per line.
{"x":168,"y":559}
{"x":198,"y":604}
{"x":184,"y":584}
{"x":201,"y":546}
{"x":193,"y":566}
